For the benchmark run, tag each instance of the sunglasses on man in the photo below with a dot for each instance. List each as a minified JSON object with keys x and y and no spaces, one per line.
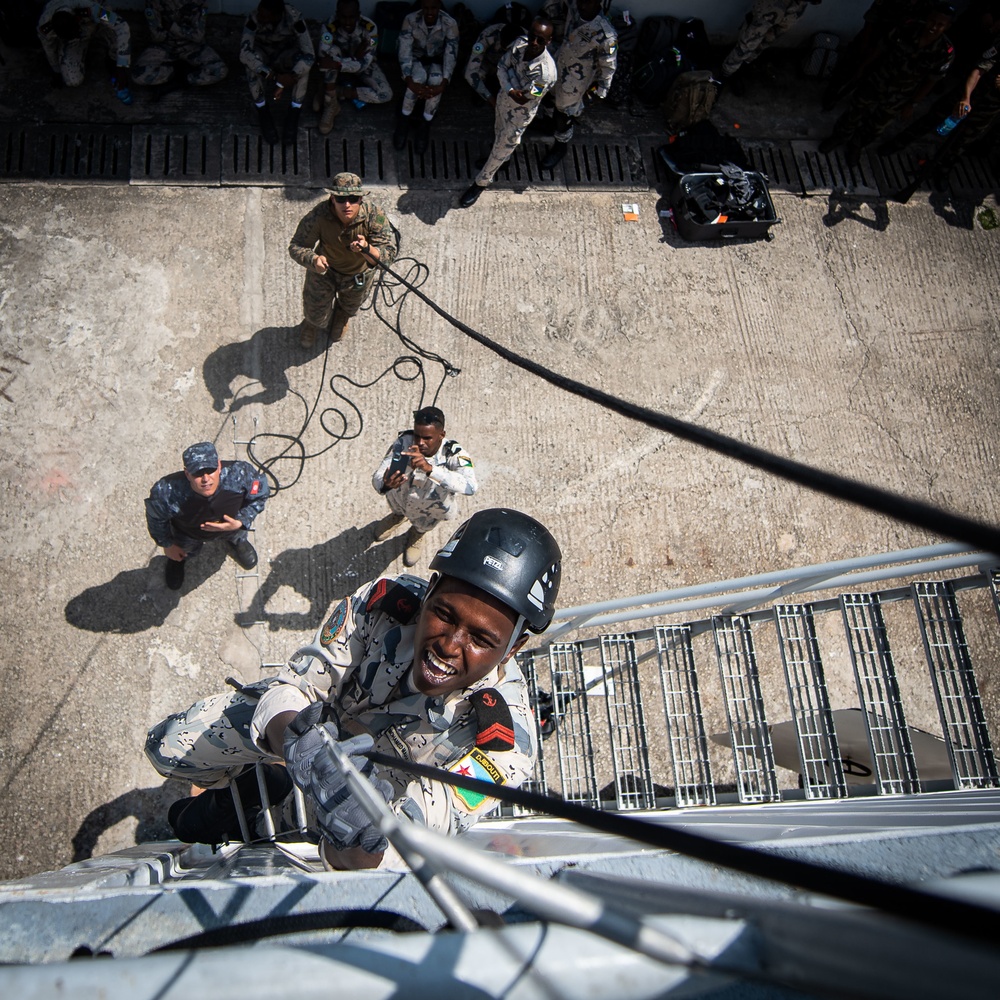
{"x":347,"y":199}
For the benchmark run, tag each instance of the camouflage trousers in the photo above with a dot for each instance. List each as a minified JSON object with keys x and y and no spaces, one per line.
{"x":372,"y":85}
{"x":509,"y":125}
{"x":289,"y":60}
{"x":73,"y":54}
{"x":766,"y":21}
{"x":320,"y":290}
{"x":869,"y":114}
{"x":209,"y":743}
{"x":431,"y":73}
{"x":156,"y":64}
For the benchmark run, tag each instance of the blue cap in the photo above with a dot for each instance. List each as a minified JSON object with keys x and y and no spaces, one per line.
{"x":201,"y":456}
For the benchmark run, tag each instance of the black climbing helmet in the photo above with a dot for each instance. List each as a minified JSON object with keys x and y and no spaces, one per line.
{"x":509,"y":555}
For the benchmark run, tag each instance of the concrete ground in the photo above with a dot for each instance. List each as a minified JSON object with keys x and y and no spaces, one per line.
{"x":135,"y":320}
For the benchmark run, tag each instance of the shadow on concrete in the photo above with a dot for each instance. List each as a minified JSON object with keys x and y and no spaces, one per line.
{"x":430,"y":207}
{"x":148,"y":805}
{"x":958,"y":214}
{"x":848,"y":206}
{"x":322,"y":574}
{"x":263,"y":361}
{"x":138,"y":599}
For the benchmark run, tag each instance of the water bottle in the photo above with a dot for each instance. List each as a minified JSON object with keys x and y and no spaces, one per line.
{"x":358,"y":104}
{"x":950,"y":122}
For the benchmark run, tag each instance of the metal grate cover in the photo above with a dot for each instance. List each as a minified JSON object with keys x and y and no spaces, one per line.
{"x":819,"y":755}
{"x":370,"y":159}
{"x":875,"y":676}
{"x":776,"y":162}
{"x":571,"y":712}
{"x":248,"y":159}
{"x":605,"y":165}
{"x":830,"y":172}
{"x":69,"y":152}
{"x":753,"y":754}
{"x":685,"y":723}
{"x":162,"y":156}
{"x":17,"y":152}
{"x":955,"y":687}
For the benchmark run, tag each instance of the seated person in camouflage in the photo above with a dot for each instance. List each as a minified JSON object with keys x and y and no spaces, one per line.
{"x":177,"y":28}
{"x":420,"y":671}
{"x":277,"y":52}
{"x":509,"y":23}
{"x":421,"y":477}
{"x":348,"y":47}
{"x":209,"y":499}
{"x":585,"y":62}
{"x":66,"y":29}
{"x":338,"y":243}
{"x":428,"y":53}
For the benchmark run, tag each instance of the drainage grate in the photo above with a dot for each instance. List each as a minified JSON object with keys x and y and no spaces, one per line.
{"x":447,"y":161}
{"x":247,"y":158}
{"x":69,"y":152}
{"x":604,"y":165}
{"x":973,"y":176}
{"x":332,"y":154}
{"x":897,"y":170}
{"x":160,"y":156}
{"x":17,"y":152}
{"x":524,"y":168}
{"x":830,"y":172}
{"x":776,"y":162}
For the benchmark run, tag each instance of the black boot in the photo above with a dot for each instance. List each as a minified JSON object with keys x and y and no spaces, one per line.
{"x":267,"y":129}
{"x":401,"y":131}
{"x":290,"y":133}
{"x":423,"y":136}
{"x":555,"y":155}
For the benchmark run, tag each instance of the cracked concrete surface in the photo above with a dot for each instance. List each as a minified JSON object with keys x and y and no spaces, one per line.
{"x":134,"y":321}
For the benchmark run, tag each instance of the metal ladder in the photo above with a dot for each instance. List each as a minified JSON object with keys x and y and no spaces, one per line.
{"x":640,"y":736}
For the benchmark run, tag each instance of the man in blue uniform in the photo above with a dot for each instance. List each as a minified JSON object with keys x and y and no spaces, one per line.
{"x":209,"y":499}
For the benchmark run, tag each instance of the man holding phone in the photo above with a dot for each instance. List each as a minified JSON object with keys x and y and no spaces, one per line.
{"x":209,"y":499}
{"x":339,"y":243}
{"x":421,"y":476}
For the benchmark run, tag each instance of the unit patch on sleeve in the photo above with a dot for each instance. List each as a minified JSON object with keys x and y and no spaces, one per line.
{"x":475,"y":764}
{"x":335,"y":624}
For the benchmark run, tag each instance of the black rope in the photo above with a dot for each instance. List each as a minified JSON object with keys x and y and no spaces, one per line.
{"x":939,"y":912}
{"x":964,"y":529}
{"x":387,"y":302}
{"x":293,"y":923}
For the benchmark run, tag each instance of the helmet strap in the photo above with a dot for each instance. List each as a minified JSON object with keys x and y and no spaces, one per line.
{"x":516,"y":636}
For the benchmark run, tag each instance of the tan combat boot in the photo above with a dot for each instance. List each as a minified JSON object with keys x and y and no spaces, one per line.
{"x":331,"y":108}
{"x":414,"y":543}
{"x":388,"y":524}
{"x":338,"y":325}
{"x":307,"y":334}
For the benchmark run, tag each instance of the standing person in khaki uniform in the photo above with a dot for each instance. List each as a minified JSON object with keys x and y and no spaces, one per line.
{"x":338,"y":243}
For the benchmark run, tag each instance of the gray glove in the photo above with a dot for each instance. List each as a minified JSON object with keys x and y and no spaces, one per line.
{"x":341,"y":817}
{"x":303,"y":742}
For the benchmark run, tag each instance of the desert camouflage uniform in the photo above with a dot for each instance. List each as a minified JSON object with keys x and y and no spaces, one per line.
{"x":891,"y":83}
{"x":350,"y":277}
{"x":178,"y":31}
{"x":481,"y":69}
{"x":765,"y":22}
{"x":360,"y":664}
{"x":284,"y":47}
{"x":68,"y":59}
{"x":586,"y":59}
{"x":425,"y":499}
{"x":356,"y":54}
{"x":515,"y":73}
{"x":427,"y":55}
{"x":171,"y":504}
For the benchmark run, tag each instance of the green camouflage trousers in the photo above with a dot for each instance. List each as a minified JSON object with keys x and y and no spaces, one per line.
{"x":320,"y":290}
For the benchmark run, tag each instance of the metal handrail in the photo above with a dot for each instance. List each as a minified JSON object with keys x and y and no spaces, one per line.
{"x":741,"y":593}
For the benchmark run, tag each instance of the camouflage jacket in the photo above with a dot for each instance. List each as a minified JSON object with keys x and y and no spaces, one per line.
{"x":355,"y":51}
{"x":290,"y":31}
{"x":176,"y":20}
{"x":482,"y":63}
{"x":360,"y":664}
{"x":426,"y":498}
{"x":588,"y":48}
{"x":418,"y":42}
{"x":902,"y":66}
{"x":94,"y":13}
{"x":535,"y":77}
{"x":322,"y":228}
{"x":172,"y":506}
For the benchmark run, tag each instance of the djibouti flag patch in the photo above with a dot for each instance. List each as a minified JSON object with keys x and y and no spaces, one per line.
{"x":475,"y":764}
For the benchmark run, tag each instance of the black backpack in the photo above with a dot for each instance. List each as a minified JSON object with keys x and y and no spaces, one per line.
{"x":692,"y":40}
{"x":620,"y":91}
{"x":656,"y":60}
